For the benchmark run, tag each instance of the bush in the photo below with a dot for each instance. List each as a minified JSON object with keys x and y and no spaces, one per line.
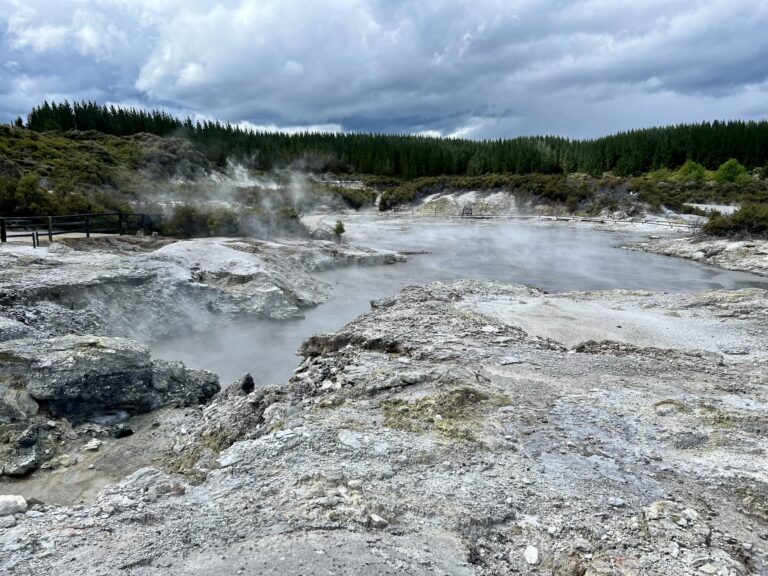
{"x":749,"y":220}
{"x":691,"y":172}
{"x":731,"y":171}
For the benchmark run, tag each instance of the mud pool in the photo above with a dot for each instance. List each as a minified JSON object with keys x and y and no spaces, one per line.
{"x":552,"y":258}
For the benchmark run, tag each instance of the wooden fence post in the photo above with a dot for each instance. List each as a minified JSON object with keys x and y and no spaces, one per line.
{"x":50,"y":230}
{"x":2,"y":230}
{"x":87,"y":226}
{"x":121,"y":224}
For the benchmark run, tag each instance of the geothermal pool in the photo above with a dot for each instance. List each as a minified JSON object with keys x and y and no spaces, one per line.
{"x":552,"y":258}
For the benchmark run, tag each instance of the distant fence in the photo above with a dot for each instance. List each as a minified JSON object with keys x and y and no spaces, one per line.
{"x":102,"y":223}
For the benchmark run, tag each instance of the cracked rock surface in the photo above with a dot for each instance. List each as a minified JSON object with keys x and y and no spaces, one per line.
{"x":743,"y":255}
{"x":467,"y":428}
{"x":146,"y":288}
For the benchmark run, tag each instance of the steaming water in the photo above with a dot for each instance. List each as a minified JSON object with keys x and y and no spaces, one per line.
{"x":552,"y":258}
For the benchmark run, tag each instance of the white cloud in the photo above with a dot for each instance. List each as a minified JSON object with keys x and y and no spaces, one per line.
{"x":486,"y":68}
{"x":41,"y":38}
{"x":290,"y":129}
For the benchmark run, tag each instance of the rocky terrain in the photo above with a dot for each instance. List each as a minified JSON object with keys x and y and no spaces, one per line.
{"x":81,"y":406}
{"x":468,"y":428}
{"x":146,"y":288}
{"x":743,"y":255}
{"x":67,"y":394}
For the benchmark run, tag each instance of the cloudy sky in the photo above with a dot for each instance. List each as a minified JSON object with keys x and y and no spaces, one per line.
{"x":473,"y":68}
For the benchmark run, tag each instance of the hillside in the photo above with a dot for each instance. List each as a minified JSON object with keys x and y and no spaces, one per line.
{"x":191,"y":192}
{"x":411,"y":156}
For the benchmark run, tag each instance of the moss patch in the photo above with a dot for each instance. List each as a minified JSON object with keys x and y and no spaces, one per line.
{"x":454,"y":414}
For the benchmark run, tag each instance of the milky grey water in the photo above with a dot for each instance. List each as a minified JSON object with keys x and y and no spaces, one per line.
{"x":549,"y":257}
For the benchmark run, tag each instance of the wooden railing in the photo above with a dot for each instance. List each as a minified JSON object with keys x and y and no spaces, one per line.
{"x":101,"y":223}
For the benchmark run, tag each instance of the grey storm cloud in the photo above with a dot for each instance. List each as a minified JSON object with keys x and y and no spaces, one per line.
{"x":480,"y":68}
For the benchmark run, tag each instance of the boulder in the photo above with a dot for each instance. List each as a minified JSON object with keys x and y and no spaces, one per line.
{"x":79,"y":376}
{"x":22,"y":462}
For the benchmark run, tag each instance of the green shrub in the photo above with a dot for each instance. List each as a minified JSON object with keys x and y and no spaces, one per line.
{"x":749,"y":220}
{"x":691,"y":172}
{"x":731,"y":171}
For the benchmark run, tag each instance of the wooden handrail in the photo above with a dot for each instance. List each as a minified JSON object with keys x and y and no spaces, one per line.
{"x":71,"y":223}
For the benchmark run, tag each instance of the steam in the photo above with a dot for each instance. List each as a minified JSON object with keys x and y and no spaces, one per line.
{"x":262,"y":204}
{"x":551,"y":258}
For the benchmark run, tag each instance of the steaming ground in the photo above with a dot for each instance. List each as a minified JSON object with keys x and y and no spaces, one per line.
{"x":435,"y":435}
{"x":611,"y":423}
{"x":553,"y":258}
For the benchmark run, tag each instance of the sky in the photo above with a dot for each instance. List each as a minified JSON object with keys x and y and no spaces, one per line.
{"x":462,"y":68}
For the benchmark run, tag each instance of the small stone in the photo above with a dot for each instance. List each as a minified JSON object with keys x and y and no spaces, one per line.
{"x":11,"y":504}
{"x":582,"y":545}
{"x":350,"y":439}
{"x":673,"y":549}
{"x":7,"y":521}
{"x":616,"y":502}
{"x":531,"y":555}
{"x":377,"y":521}
{"x":25,"y":461}
{"x":93,"y":445}
{"x":387,"y":474}
{"x":411,"y":378}
{"x":708,"y":568}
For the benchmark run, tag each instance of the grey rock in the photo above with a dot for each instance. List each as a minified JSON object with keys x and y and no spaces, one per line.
{"x":77,"y":376}
{"x":531,"y":555}
{"x":93,"y":445}
{"x":24,"y":461}
{"x":350,"y":439}
{"x":376,"y":521}
{"x":11,"y":504}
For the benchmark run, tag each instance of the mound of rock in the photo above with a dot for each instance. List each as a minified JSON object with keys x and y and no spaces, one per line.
{"x":77,"y":378}
{"x":732,"y":254}
{"x":466,"y":429}
{"x":147,"y":289}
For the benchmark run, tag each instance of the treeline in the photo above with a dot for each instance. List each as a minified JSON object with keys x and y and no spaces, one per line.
{"x":625,"y":154}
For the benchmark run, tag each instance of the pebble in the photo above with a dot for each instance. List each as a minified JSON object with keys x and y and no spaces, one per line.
{"x":377,"y":521}
{"x":11,"y":504}
{"x":93,"y":445}
{"x":582,"y":545}
{"x":350,"y":439}
{"x":531,"y":555}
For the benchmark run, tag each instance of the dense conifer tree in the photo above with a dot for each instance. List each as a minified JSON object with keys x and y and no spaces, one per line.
{"x":627,"y":153}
